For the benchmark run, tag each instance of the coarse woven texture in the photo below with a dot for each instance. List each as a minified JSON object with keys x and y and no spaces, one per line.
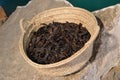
{"x":78,"y":59}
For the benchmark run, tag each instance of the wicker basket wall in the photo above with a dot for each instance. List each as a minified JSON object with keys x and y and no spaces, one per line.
{"x":63,"y":14}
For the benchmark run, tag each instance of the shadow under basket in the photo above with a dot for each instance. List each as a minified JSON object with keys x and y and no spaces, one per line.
{"x":63,"y":14}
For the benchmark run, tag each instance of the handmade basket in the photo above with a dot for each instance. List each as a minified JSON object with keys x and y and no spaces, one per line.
{"x":63,"y":14}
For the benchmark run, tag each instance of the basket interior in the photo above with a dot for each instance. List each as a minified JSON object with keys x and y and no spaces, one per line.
{"x":61,"y":15}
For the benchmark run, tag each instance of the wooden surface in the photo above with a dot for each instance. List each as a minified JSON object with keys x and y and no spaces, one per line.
{"x":2,"y":14}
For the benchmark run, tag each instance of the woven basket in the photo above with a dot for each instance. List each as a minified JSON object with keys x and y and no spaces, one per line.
{"x":63,"y":14}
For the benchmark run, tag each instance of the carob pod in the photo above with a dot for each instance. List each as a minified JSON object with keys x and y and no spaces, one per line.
{"x":56,"y":41}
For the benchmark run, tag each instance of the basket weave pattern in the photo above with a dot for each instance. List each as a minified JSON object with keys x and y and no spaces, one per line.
{"x":70,"y":14}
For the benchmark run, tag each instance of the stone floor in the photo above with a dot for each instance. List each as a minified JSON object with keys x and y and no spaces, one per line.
{"x":106,"y":51}
{"x":113,"y":74}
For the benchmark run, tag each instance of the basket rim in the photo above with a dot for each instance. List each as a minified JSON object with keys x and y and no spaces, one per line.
{"x":67,"y":60}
